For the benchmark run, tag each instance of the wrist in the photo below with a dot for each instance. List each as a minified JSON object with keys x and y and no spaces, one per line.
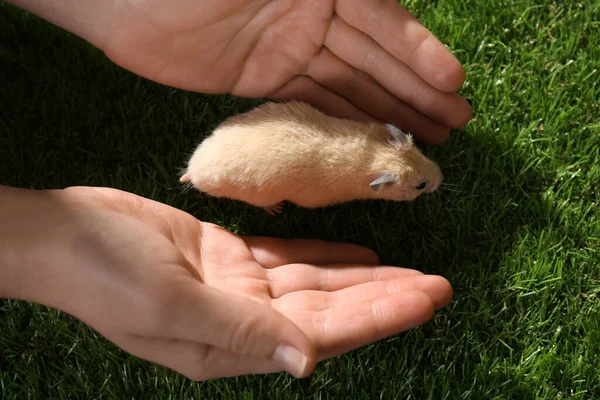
{"x":89,"y":19}
{"x":35,"y":231}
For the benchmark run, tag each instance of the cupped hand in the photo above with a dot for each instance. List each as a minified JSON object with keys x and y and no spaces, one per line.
{"x":361,"y":59}
{"x":207,"y":303}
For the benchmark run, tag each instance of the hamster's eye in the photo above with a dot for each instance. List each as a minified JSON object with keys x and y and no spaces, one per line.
{"x":421,"y":185}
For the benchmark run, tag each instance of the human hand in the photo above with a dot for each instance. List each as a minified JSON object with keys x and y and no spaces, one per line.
{"x":198,"y":299}
{"x":360,"y":59}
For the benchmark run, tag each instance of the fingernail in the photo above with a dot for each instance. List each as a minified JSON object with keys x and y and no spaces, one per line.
{"x":291,"y":359}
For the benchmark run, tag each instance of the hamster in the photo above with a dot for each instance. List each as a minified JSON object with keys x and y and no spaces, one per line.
{"x":293,"y":152}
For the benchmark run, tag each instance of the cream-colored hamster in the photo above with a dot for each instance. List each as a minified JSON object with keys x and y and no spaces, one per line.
{"x":292,"y":152}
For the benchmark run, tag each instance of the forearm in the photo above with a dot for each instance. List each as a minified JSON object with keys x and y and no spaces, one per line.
{"x":88,"y":19}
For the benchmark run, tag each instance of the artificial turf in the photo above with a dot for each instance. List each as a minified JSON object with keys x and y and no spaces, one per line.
{"x":516,"y":230}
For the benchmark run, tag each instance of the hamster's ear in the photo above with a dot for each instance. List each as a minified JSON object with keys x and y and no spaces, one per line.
{"x":386,"y":177}
{"x":185,"y":178}
{"x":396,"y":137}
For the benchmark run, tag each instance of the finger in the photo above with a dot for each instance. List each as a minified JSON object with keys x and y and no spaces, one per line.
{"x":195,"y":312}
{"x":436,"y":287}
{"x":368,"y":95}
{"x":350,"y":326}
{"x":297,"y":277}
{"x":274,"y":252}
{"x":405,"y":39}
{"x":360,"y":315}
{"x":361,"y":52}
{"x":304,"y":88}
{"x":196,"y":361}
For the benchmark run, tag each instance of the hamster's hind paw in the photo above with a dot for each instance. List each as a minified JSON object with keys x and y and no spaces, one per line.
{"x":275,"y":208}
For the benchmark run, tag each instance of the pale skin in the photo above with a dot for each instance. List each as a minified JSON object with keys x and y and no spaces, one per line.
{"x":187,"y":294}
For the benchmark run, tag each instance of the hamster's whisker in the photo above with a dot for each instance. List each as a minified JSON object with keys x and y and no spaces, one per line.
{"x":450,"y":189}
{"x":460,"y":153}
{"x":452,"y":165}
{"x":449,"y":184}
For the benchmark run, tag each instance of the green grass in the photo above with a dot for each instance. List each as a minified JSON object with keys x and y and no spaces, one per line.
{"x":517,"y":233}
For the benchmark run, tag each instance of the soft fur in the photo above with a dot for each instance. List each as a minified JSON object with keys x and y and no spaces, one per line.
{"x":293,"y":152}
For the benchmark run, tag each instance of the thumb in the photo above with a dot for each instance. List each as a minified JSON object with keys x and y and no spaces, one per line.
{"x":241,"y":326}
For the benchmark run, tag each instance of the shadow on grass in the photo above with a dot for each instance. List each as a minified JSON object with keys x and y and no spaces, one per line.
{"x":70,"y":118}
{"x":492,"y":196}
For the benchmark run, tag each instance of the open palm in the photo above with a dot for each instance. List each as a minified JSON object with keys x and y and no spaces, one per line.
{"x":361,"y":59}
{"x":208,"y":303}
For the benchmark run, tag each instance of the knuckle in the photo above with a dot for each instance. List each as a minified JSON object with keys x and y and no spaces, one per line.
{"x":379,"y":314}
{"x":245,"y":334}
{"x":371,"y":61}
{"x":423,"y":36}
{"x":379,"y":311}
{"x":373,"y":21}
{"x":323,"y":324}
